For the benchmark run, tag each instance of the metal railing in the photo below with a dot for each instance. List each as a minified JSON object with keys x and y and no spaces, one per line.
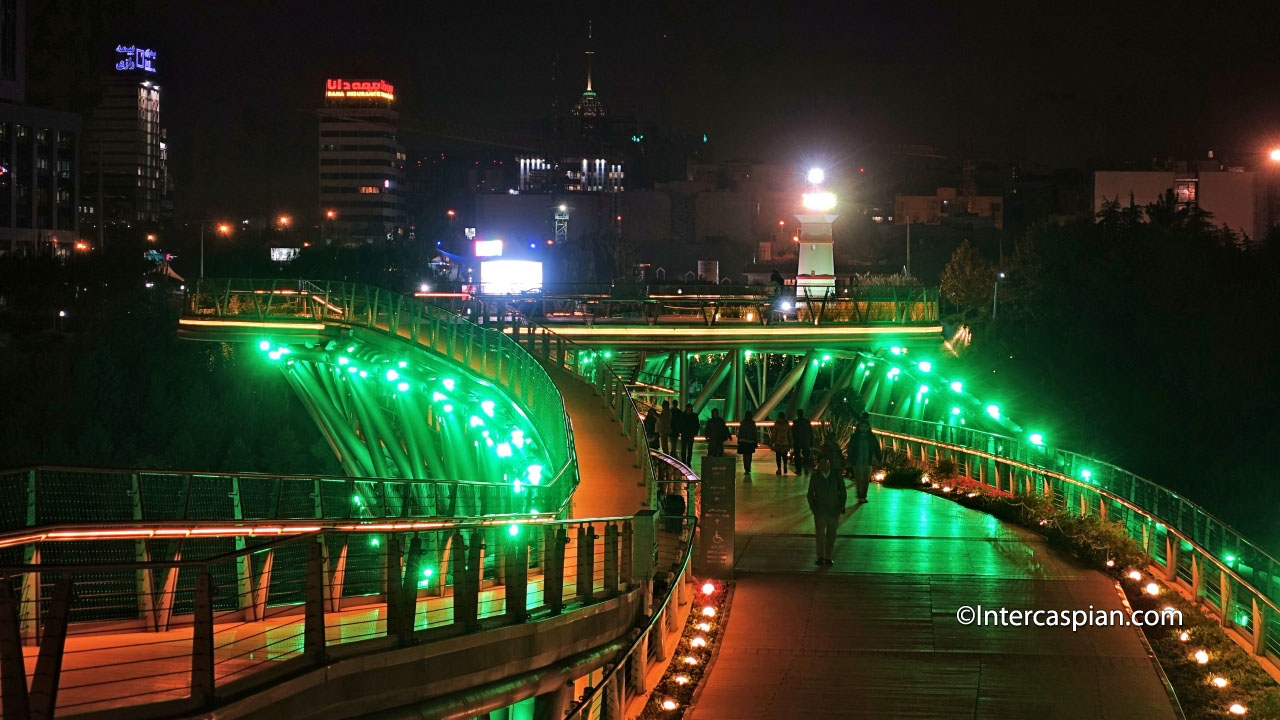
{"x":482,"y":351}
{"x":48,"y":494}
{"x":228,"y":608}
{"x":555,"y":350}
{"x":856,"y":305}
{"x":1212,"y":561}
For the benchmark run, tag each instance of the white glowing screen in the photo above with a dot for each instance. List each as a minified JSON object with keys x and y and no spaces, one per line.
{"x":508,"y":277}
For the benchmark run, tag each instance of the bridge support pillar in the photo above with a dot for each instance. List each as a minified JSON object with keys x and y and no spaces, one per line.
{"x":683,"y":383}
{"x":13,"y":673}
{"x":554,"y":541}
{"x":610,"y":559}
{"x":643,"y":559}
{"x":585,"y":558}
{"x":1224,"y":592}
{"x":202,"y":639}
{"x":1195,"y":579}
{"x":44,"y":683}
{"x":516,"y":558}
{"x":639,"y":667}
{"x":1171,"y":547}
{"x":29,"y":605}
{"x":313,"y":640}
{"x":553,"y":705}
{"x":1259,"y":628}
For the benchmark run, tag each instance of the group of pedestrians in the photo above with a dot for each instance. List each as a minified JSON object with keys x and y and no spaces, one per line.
{"x":828,"y":495}
{"x":672,"y":430}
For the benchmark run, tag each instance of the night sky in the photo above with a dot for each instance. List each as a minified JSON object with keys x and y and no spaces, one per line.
{"x":1067,"y":86}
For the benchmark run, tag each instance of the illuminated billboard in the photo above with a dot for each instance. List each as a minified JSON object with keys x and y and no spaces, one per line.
{"x":337,"y":88}
{"x":488,"y":248}
{"x":510,"y":277}
{"x":136,"y":58}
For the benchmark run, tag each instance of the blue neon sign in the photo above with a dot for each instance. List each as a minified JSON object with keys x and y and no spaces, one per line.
{"x":136,"y":58}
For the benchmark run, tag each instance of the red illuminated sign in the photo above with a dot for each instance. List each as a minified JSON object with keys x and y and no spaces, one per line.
{"x":339,"y":88}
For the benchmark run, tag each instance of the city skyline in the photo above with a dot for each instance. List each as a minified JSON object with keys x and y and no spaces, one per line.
{"x":762,"y":84}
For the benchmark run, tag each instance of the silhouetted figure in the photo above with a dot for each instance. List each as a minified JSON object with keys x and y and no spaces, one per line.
{"x":802,"y":436}
{"x":651,"y":428}
{"x":748,"y":440}
{"x":664,"y":426}
{"x":716,"y":432}
{"x":780,"y":441}
{"x":688,"y":430}
{"x":827,"y":496}
{"x":864,"y":450}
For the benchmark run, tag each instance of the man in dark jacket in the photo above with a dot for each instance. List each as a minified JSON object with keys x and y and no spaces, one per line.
{"x":827,"y":496}
{"x":716,"y":433}
{"x":802,"y":438}
{"x":864,"y":451}
{"x":688,"y":430}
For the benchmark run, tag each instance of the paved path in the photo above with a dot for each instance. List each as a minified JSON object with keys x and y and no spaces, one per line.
{"x":610,"y":483}
{"x":876,"y":635}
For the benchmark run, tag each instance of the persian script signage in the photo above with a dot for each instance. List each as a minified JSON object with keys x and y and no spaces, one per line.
{"x":715,"y":527}
{"x":339,"y":88}
{"x":136,"y":58}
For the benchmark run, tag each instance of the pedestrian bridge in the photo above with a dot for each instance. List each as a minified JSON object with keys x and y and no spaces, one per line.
{"x":441,"y":576}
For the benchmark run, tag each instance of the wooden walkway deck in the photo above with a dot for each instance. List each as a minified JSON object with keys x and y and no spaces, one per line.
{"x":876,"y":635}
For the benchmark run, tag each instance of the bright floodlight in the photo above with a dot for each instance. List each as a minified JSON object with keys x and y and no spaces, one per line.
{"x":816,"y":176}
{"x":820,"y":201}
{"x":1275,"y":155}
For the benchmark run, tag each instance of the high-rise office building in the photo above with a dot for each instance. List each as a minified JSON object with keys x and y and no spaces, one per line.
{"x":360,"y":162}
{"x":39,"y":155}
{"x":126,"y":178}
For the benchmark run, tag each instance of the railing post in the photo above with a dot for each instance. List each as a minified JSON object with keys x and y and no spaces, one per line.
{"x":624,"y":560}
{"x":13,"y":672}
{"x":473,"y":572}
{"x":640,"y":666}
{"x":644,"y":552}
{"x":516,"y":558}
{"x":394,"y":573}
{"x":585,"y":563}
{"x":202,"y":639}
{"x":313,"y":639}
{"x":258,"y":606}
{"x":610,"y":559}
{"x":553,"y":569}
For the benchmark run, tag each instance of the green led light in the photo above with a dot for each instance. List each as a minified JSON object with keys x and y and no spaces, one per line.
{"x":448,"y":408}
{"x":284,"y":351}
{"x":351,"y":348}
{"x":513,"y":530}
{"x":747,"y":354}
{"x":448,"y":383}
{"x":274,"y":354}
{"x":264,"y":345}
{"x":437,"y":396}
{"x":925,"y":366}
{"x":392,"y":376}
{"x":364,"y":373}
{"x":487,"y":407}
{"x":374,"y":541}
{"x":402,"y":364}
{"x":535,"y":474}
{"x":1036,"y":438}
{"x":895,"y":350}
{"x":428,"y":572}
{"x":355,"y":500}
{"x":476,"y":421}
{"x":504,"y":450}
{"x":608,"y":354}
{"x":957,"y":386}
{"x":343,"y":361}
{"x":1230,"y":559}
{"x":1086,"y":474}
{"x":994,"y":411}
{"x":351,"y":369}
{"x":517,"y":438}
{"x":923,"y":389}
{"x":826,"y":358}
{"x":955,"y":411}
{"x":403,"y":387}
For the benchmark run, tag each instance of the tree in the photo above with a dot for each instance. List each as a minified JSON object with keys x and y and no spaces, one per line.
{"x":968,"y":278}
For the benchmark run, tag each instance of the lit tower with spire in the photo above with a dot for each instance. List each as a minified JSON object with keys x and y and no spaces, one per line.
{"x":815,"y":272}
{"x":589,"y":111}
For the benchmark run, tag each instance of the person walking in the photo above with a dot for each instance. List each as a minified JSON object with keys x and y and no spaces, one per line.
{"x":664,"y":426}
{"x":864,"y":449}
{"x":802,"y":437}
{"x":827,"y":497}
{"x":716,"y":432}
{"x":673,"y":432}
{"x":748,"y":440}
{"x":651,"y":428}
{"x":780,"y":441}
{"x":688,"y":430}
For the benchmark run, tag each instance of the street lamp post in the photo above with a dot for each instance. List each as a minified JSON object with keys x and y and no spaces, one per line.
{"x":995,"y":297}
